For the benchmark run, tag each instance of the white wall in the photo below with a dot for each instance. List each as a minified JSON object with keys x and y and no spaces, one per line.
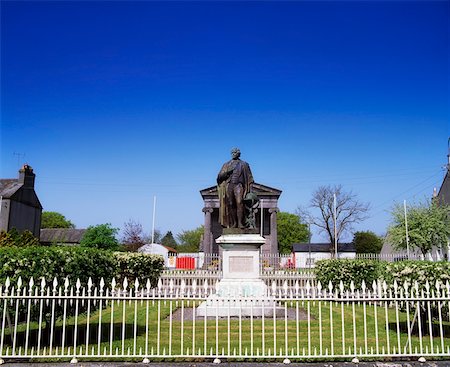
{"x":301,"y":258}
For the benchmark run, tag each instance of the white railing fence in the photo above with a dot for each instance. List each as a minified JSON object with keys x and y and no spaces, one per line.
{"x":401,"y":256}
{"x":284,"y":262}
{"x":75,"y":321}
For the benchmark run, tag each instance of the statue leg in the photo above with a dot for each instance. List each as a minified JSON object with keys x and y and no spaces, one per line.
{"x":239,"y":193}
{"x":231,"y":209}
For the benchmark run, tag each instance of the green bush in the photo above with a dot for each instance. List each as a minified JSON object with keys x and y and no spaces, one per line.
{"x":420,"y":271}
{"x":370,"y":270}
{"x":141,"y":266}
{"x":77,"y":263}
{"x":56,"y":261}
{"x":347,"y":270}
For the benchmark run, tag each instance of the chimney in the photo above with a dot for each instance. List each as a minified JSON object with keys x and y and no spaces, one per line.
{"x":26,"y":176}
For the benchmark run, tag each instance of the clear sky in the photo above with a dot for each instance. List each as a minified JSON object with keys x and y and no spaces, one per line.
{"x":113,"y":103}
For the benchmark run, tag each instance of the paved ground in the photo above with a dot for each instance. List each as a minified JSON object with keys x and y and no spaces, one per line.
{"x":236,"y":364}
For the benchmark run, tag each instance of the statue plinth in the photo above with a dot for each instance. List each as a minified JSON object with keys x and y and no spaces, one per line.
{"x":240,"y":256}
{"x":241,"y":291}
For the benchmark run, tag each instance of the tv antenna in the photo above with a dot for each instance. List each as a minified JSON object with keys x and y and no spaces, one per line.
{"x":19,"y":157}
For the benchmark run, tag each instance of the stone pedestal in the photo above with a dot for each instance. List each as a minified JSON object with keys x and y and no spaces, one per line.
{"x":241,"y":291}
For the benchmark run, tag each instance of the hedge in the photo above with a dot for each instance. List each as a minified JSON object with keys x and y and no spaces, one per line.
{"x":369,"y":270}
{"x":76,"y":263}
{"x":139,"y":266}
{"x":348,"y":270}
{"x":420,"y":271}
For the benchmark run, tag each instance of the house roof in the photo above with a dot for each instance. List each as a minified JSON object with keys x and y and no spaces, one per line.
{"x":322,"y":247}
{"x":61,"y":235}
{"x":8,"y":187}
{"x":444,"y":192}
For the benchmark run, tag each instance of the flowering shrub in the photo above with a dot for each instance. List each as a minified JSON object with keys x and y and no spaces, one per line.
{"x":346,"y":270}
{"x":141,"y":266}
{"x":420,"y":271}
{"x":56,"y":261}
{"x":76,"y":263}
{"x":370,"y":270}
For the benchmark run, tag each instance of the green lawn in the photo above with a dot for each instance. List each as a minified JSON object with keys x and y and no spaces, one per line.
{"x":234,"y":336}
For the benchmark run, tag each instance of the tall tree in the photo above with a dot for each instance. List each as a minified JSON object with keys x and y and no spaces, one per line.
{"x":428,"y":226}
{"x":169,"y":240}
{"x":349,"y":211}
{"x":133,"y":235}
{"x":290,"y":229}
{"x":55,"y":220}
{"x":102,"y":236}
{"x":367,"y":242}
{"x":147,"y":237}
{"x":189,"y":241}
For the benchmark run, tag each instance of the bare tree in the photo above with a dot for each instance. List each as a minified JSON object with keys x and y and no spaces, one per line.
{"x":133,"y":235}
{"x":349,"y":211}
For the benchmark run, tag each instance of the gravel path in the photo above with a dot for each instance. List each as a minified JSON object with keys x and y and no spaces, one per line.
{"x":188,"y":315}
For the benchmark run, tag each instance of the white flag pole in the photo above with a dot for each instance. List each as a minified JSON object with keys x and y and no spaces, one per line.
{"x":153,"y":224}
{"x":335,"y":228}
{"x":262,"y":218}
{"x":406,"y":229}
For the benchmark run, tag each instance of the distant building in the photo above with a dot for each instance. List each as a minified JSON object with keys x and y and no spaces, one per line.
{"x":307,"y":254}
{"x":61,"y":236}
{"x":20,"y":207}
{"x":157,"y":249}
{"x":443,"y":195}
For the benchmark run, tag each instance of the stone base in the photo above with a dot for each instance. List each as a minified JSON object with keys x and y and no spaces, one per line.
{"x":216,"y":306}
{"x":240,"y":292}
{"x":241,"y":288}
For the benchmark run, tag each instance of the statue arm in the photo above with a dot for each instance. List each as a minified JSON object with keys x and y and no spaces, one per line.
{"x":224,"y":173}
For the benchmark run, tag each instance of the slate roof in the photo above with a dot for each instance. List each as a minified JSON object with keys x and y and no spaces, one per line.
{"x":61,"y":235}
{"x":444,"y":191}
{"x":323,"y":247}
{"x":8,"y":187}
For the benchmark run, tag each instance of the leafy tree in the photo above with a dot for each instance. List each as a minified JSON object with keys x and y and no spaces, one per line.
{"x":367,"y":242}
{"x":428,"y":226}
{"x":55,"y":220}
{"x":290,"y":230}
{"x":133,"y":235}
{"x":189,"y":241}
{"x":349,"y":211}
{"x":147,"y":238}
{"x":169,"y":240}
{"x":102,"y":236}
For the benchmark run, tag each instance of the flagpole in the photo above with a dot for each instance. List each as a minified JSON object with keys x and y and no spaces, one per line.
{"x":335,"y":229}
{"x":262,"y":218}
{"x":153,"y":224}
{"x":406,"y":229}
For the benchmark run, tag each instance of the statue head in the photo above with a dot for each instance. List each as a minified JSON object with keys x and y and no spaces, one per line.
{"x":235,"y":153}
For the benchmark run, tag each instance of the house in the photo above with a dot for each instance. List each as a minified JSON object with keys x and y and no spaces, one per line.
{"x":20,"y":207}
{"x":61,"y":236}
{"x":443,"y":195}
{"x":156,"y":249}
{"x":307,"y":254}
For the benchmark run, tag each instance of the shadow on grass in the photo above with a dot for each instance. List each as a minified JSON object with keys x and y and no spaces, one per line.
{"x":106,"y":331}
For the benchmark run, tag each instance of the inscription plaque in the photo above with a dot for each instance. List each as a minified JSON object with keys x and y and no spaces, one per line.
{"x":241,"y":264}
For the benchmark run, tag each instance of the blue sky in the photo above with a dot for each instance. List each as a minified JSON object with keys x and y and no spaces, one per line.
{"x":113,"y":103}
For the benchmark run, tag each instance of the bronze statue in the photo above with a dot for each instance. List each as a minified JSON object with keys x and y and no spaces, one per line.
{"x":234,"y":187}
